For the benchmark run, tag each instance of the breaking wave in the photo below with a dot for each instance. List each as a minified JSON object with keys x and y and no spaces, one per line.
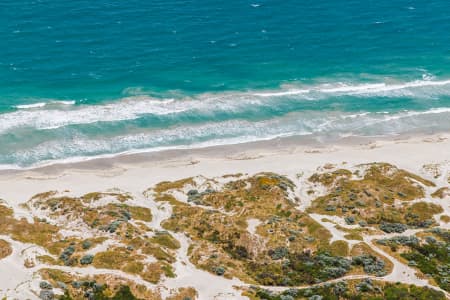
{"x":51,"y":115}
{"x":320,"y":125}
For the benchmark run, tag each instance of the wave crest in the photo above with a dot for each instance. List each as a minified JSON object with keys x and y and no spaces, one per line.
{"x":52,"y":103}
{"x":320,"y":125}
{"x":50,"y":115}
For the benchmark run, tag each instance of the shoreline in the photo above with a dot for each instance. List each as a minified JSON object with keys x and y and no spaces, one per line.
{"x":289,"y":144}
{"x":137,"y":172}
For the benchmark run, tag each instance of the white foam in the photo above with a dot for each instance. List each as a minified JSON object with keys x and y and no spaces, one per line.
{"x":382,"y":87}
{"x":353,"y":116}
{"x":428,"y":77}
{"x":181,"y":137}
{"x":343,"y":88}
{"x":126,"y":109}
{"x":231,"y":132}
{"x":360,"y":89}
{"x":440,"y":110}
{"x":28,"y":106}
{"x":49,"y":115}
{"x":43,"y":104}
{"x":71,"y":102}
{"x":285,"y":93}
{"x":335,"y":123}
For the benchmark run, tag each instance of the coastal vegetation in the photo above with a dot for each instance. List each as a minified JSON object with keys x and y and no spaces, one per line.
{"x":366,"y":289}
{"x":441,"y":193}
{"x":103,"y":287}
{"x":5,"y":249}
{"x":104,"y":218}
{"x":286,"y":247}
{"x":376,"y":194}
{"x":428,"y":252}
{"x":245,"y":227}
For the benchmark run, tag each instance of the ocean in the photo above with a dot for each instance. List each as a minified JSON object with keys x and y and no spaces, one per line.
{"x":82,"y":79}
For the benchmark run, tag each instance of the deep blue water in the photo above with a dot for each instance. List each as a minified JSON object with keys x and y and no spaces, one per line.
{"x":86,"y":78}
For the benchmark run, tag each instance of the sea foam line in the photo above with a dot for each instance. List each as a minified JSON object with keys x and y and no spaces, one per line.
{"x":351,"y":89}
{"x":50,"y":117}
{"x":27,"y":106}
{"x":206,"y":144}
{"x":43,"y":104}
{"x":78,"y":148}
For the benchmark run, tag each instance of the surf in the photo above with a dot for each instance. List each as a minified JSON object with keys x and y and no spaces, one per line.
{"x":57,"y":114}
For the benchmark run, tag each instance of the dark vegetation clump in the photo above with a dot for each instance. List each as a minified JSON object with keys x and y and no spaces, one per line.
{"x":66,"y":256}
{"x":350,"y":220}
{"x":371,"y":264}
{"x":112,"y":227}
{"x":300,"y":268}
{"x":126,"y":215}
{"x":45,"y":285}
{"x":95,"y":291}
{"x":196,"y":197}
{"x":278,"y":253}
{"x":86,"y":245}
{"x":219,"y":270}
{"x":366,"y":285}
{"x":87,"y":259}
{"x":352,"y":290}
{"x":399,"y":240}
{"x":393,"y":227}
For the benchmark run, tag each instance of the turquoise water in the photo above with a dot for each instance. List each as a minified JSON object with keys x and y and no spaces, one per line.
{"x":89,"y":78}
